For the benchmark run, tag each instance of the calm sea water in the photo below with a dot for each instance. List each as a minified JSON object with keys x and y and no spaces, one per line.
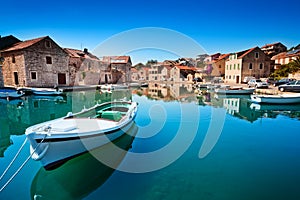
{"x":185,"y":147}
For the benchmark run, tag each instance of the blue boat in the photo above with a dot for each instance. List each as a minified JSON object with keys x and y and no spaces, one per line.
{"x":10,"y":93}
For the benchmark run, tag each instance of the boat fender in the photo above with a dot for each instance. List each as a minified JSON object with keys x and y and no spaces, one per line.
{"x":48,"y":128}
{"x":69,"y":114}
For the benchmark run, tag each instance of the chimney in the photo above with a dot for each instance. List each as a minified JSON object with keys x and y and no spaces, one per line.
{"x":85,"y":50}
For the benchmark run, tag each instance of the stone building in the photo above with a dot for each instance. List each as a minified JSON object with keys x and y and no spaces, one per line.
{"x":143,"y":74}
{"x":159,"y":72}
{"x":273,"y":49}
{"x":285,"y":58}
{"x":251,"y":62}
{"x":5,"y":42}
{"x":217,"y":66}
{"x":117,"y":70}
{"x":38,"y":62}
{"x":84,"y":67}
{"x":180,"y":73}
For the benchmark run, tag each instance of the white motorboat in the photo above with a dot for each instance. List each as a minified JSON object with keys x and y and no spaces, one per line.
{"x":62,"y":138}
{"x":88,"y":166}
{"x":47,"y":91}
{"x":276,"y":99}
{"x":234,"y":90}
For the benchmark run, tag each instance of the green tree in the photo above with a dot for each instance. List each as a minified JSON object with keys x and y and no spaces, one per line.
{"x":285,"y":70}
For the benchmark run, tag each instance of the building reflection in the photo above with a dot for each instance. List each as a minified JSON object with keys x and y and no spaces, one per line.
{"x":168,"y":92}
{"x":17,"y":115}
{"x":241,"y":107}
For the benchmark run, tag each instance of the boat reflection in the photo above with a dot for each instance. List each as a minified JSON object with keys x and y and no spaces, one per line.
{"x":243,"y":108}
{"x":81,"y":175}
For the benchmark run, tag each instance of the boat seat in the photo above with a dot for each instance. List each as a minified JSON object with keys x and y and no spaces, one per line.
{"x":111,"y":115}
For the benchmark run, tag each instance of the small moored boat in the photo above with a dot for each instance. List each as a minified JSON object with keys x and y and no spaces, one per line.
{"x":46,"y":91}
{"x":10,"y":93}
{"x":235,"y":90}
{"x":276,"y":99}
{"x":63,"y":138}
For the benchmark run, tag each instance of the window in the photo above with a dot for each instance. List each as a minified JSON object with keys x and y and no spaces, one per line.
{"x":48,"y":60}
{"x":219,"y":66}
{"x":230,"y":66}
{"x":48,"y":44}
{"x":33,"y":76}
{"x":238,"y":66}
{"x":250,"y":65}
{"x":234,"y":66}
{"x":261,"y":66}
{"x":256,"y":55}
{"x":13,"y":59}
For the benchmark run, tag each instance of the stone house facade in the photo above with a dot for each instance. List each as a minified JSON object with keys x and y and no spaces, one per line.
{"x":38,"y":62}
{"x":84,"y":67}
{"x":218,"y":65}
{"x":273,"y":49}
{"x":159,"y":72}
{"x":118,"y":69}
{"x":180,"y":73}
{"x":252,"y":62}
{"x":134,"y":74}
{"x":285,"y":57}
{"x":143,"y":74}
{"x":5,"y":42}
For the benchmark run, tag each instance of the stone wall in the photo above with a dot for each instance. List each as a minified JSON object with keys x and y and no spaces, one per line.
{"x":1,"y":77}
{"x":256,"y":62}
{"x":13,"y":68}
{"x":19,"y":65}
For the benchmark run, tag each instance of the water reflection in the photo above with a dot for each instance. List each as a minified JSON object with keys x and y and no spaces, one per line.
{"x":238,"y":106}
{"x":168,"y":92}
{"x":241,"y":107}
{"x":17,"y":115}
{"x":81,"y":175}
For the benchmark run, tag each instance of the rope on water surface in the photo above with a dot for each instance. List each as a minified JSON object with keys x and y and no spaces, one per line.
{"x":19,"y":169}
{"x":13,"y":160}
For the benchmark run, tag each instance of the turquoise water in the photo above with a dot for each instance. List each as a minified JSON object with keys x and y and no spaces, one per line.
{"x":211,"y":147}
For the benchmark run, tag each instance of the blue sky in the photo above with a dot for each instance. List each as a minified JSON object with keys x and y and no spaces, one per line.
{"x":218,"y":26}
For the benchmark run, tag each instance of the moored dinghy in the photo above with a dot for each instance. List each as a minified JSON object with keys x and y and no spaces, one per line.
{"x":276,"y":99}
{"x":234,"y":90}
{"x":62,"y":138}
{"x":47,"y":91}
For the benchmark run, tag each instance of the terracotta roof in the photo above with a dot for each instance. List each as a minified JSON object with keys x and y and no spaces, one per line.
{"x":185,"y":67}
{"x":269,"y":45}
{"x":75,"y":53}
{"x":117,"y":59}
{"x":223,"y":56}
{"x":25,"y":44}
{"x":244,"y":53}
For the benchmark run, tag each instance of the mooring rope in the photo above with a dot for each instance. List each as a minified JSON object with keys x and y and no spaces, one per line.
{"x":19,"y":169}
{"x":13,"y":160}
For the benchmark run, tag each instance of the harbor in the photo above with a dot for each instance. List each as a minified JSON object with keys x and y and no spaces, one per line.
{"x":213,"y":164}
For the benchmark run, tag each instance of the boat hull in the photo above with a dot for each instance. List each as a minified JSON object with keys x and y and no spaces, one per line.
{"x":50,"y":152}
{"x":86,"y":168}
{"x":61,"y":139}
{"x":234,"y":91}
{"x":275,"y":99}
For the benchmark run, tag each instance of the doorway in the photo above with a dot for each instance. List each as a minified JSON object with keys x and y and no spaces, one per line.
{"x":237,"y":79}
{"x":62,"y":79}
{"x":16,"y":78}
